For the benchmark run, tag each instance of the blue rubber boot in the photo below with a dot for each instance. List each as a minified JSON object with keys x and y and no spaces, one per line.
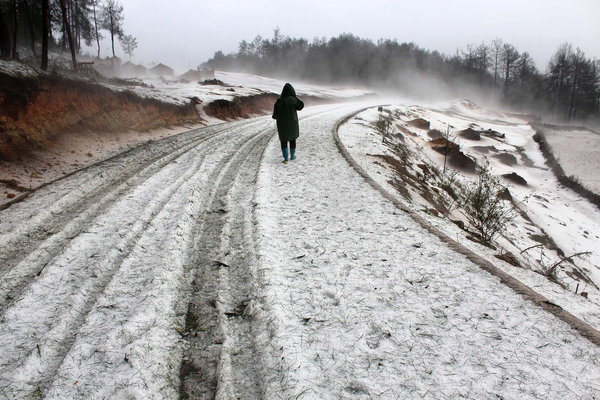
{"x":285,"y":155}
{"x":293,"y":151}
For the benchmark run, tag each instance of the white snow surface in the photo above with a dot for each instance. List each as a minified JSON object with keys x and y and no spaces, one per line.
{"x":364,"y":303}
{"x":566,"y":217}
{"x":174,"y":90}
{"x":578,"y":152}
{"x":180,"y":91}
{"x":352,"y":298}
{"x":17,"y":69}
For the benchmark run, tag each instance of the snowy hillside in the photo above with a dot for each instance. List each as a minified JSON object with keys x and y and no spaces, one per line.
{"x":95,"y":128}
{"x":553,"y":222}
{"x":180,"y":91}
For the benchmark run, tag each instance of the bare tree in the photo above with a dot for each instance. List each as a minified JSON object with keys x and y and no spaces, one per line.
{"x":112,"y":20}
{"x":470,"y":57}
{"x":384,"y":124}
{"x":29,"y":23}
{"x":45,"y":34}
{"x":14,"y":54}
{"x":129,"y":44}
{"x":486,"y":209}
{"x":63,"y":7}
{"x":509,"y":56}
{"x":497,"y":50}
{"x":448,"y":138}
{"x":559,"y":70}
{"x":579,"y":67}
{"x":97,"y":34}
{"x":483,"y":60}
{"x":5,"y":40}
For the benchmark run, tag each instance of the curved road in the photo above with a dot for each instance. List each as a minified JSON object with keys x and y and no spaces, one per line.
{"x":142,"y":276}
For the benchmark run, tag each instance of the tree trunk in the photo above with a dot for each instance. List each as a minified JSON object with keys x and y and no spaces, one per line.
{"x":16,"y":26}
{"x":5,"y":40}
{"x":496,"y":69}
{"x":572,"y":100}
{"x":45,"y":33}
{"x":96,"y":28}
{"x":64,"y":36}
{"x":75,"y":21}
{"x":112,"y":34}
{"x":30,"y":23}
{"x":63,"y":7}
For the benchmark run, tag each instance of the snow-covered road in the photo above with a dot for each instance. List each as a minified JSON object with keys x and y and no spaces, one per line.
{"x":97,"y":267}
{"x":199,"y":266}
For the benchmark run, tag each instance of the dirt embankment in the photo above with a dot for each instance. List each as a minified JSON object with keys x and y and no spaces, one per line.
{"x":241,"y":107}
{"x":244,"y":107}
{"x":34,"y":112}
{"x":38,"y":112}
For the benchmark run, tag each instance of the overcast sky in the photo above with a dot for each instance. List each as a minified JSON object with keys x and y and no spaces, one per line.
{"x":184,"y":33}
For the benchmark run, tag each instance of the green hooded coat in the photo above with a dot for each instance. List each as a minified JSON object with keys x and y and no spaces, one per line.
{"x":285,"y":112}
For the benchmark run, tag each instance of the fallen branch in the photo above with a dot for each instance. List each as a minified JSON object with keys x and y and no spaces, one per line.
{"x":551,"y":270}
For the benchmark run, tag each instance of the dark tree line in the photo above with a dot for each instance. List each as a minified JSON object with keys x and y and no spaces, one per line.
{"x":30,"y":28}
{"x":570,"y":87}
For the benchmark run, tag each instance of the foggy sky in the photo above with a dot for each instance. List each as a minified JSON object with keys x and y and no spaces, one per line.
{"x":184,"y":33}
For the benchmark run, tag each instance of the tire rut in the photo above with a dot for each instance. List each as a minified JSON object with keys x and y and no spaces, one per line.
{"x":40,"y":244}
{"x":57,"y":341}
{"x":31,"y":265}
{"x":220,"y":360}
{"x":174,"y":219}
{"x":96,"y":186}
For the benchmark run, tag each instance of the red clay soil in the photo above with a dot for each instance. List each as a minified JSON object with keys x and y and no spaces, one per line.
{"x":241,"y":107}
{"x":470,"y":134}
{"x":420,"y":123}
{"x":459,"y":160}
{"x":244,"y":107}
{"x":35,"y":111}
{"x":516,"y":178}
{"x":442,"y":145}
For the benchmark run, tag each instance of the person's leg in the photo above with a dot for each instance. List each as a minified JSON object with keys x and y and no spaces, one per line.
{"x":284,"y":150}
{"x":293,"y":149}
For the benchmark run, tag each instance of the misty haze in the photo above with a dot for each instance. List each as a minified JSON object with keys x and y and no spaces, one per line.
{"x":322,"y":200}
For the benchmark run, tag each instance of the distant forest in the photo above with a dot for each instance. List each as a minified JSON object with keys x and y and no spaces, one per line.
{"x":31,"y":28}
{"x":569,"y":88}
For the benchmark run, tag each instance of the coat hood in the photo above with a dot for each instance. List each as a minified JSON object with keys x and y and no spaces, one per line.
{"x":288,"y":90}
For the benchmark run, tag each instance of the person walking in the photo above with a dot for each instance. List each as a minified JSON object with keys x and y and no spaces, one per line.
{"x":285,"y":112}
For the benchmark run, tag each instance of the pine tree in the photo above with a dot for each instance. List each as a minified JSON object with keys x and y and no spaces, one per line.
{"x":112,"y":20}
{"x":129,"y":44}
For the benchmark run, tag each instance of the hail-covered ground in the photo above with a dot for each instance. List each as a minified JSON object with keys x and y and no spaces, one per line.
{"x":200,"y":266}
{"x":227,"y":86}
{"x":553,"y":222}
{"x":72,"y":152}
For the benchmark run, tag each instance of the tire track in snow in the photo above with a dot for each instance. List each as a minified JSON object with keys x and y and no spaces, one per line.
{"x":95,"y":186}
{"x":20,"y":276}
{"x":56,"y":335}
{"x":138,"y":370}
{"x":62,"y":332}
{"x":98,"y":267}
{"x":221,"y":359}
{"x":221,"y":288}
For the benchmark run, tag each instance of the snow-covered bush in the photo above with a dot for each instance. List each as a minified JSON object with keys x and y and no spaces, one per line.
{"x":487,"y":209}
{"x":384,"y":125}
